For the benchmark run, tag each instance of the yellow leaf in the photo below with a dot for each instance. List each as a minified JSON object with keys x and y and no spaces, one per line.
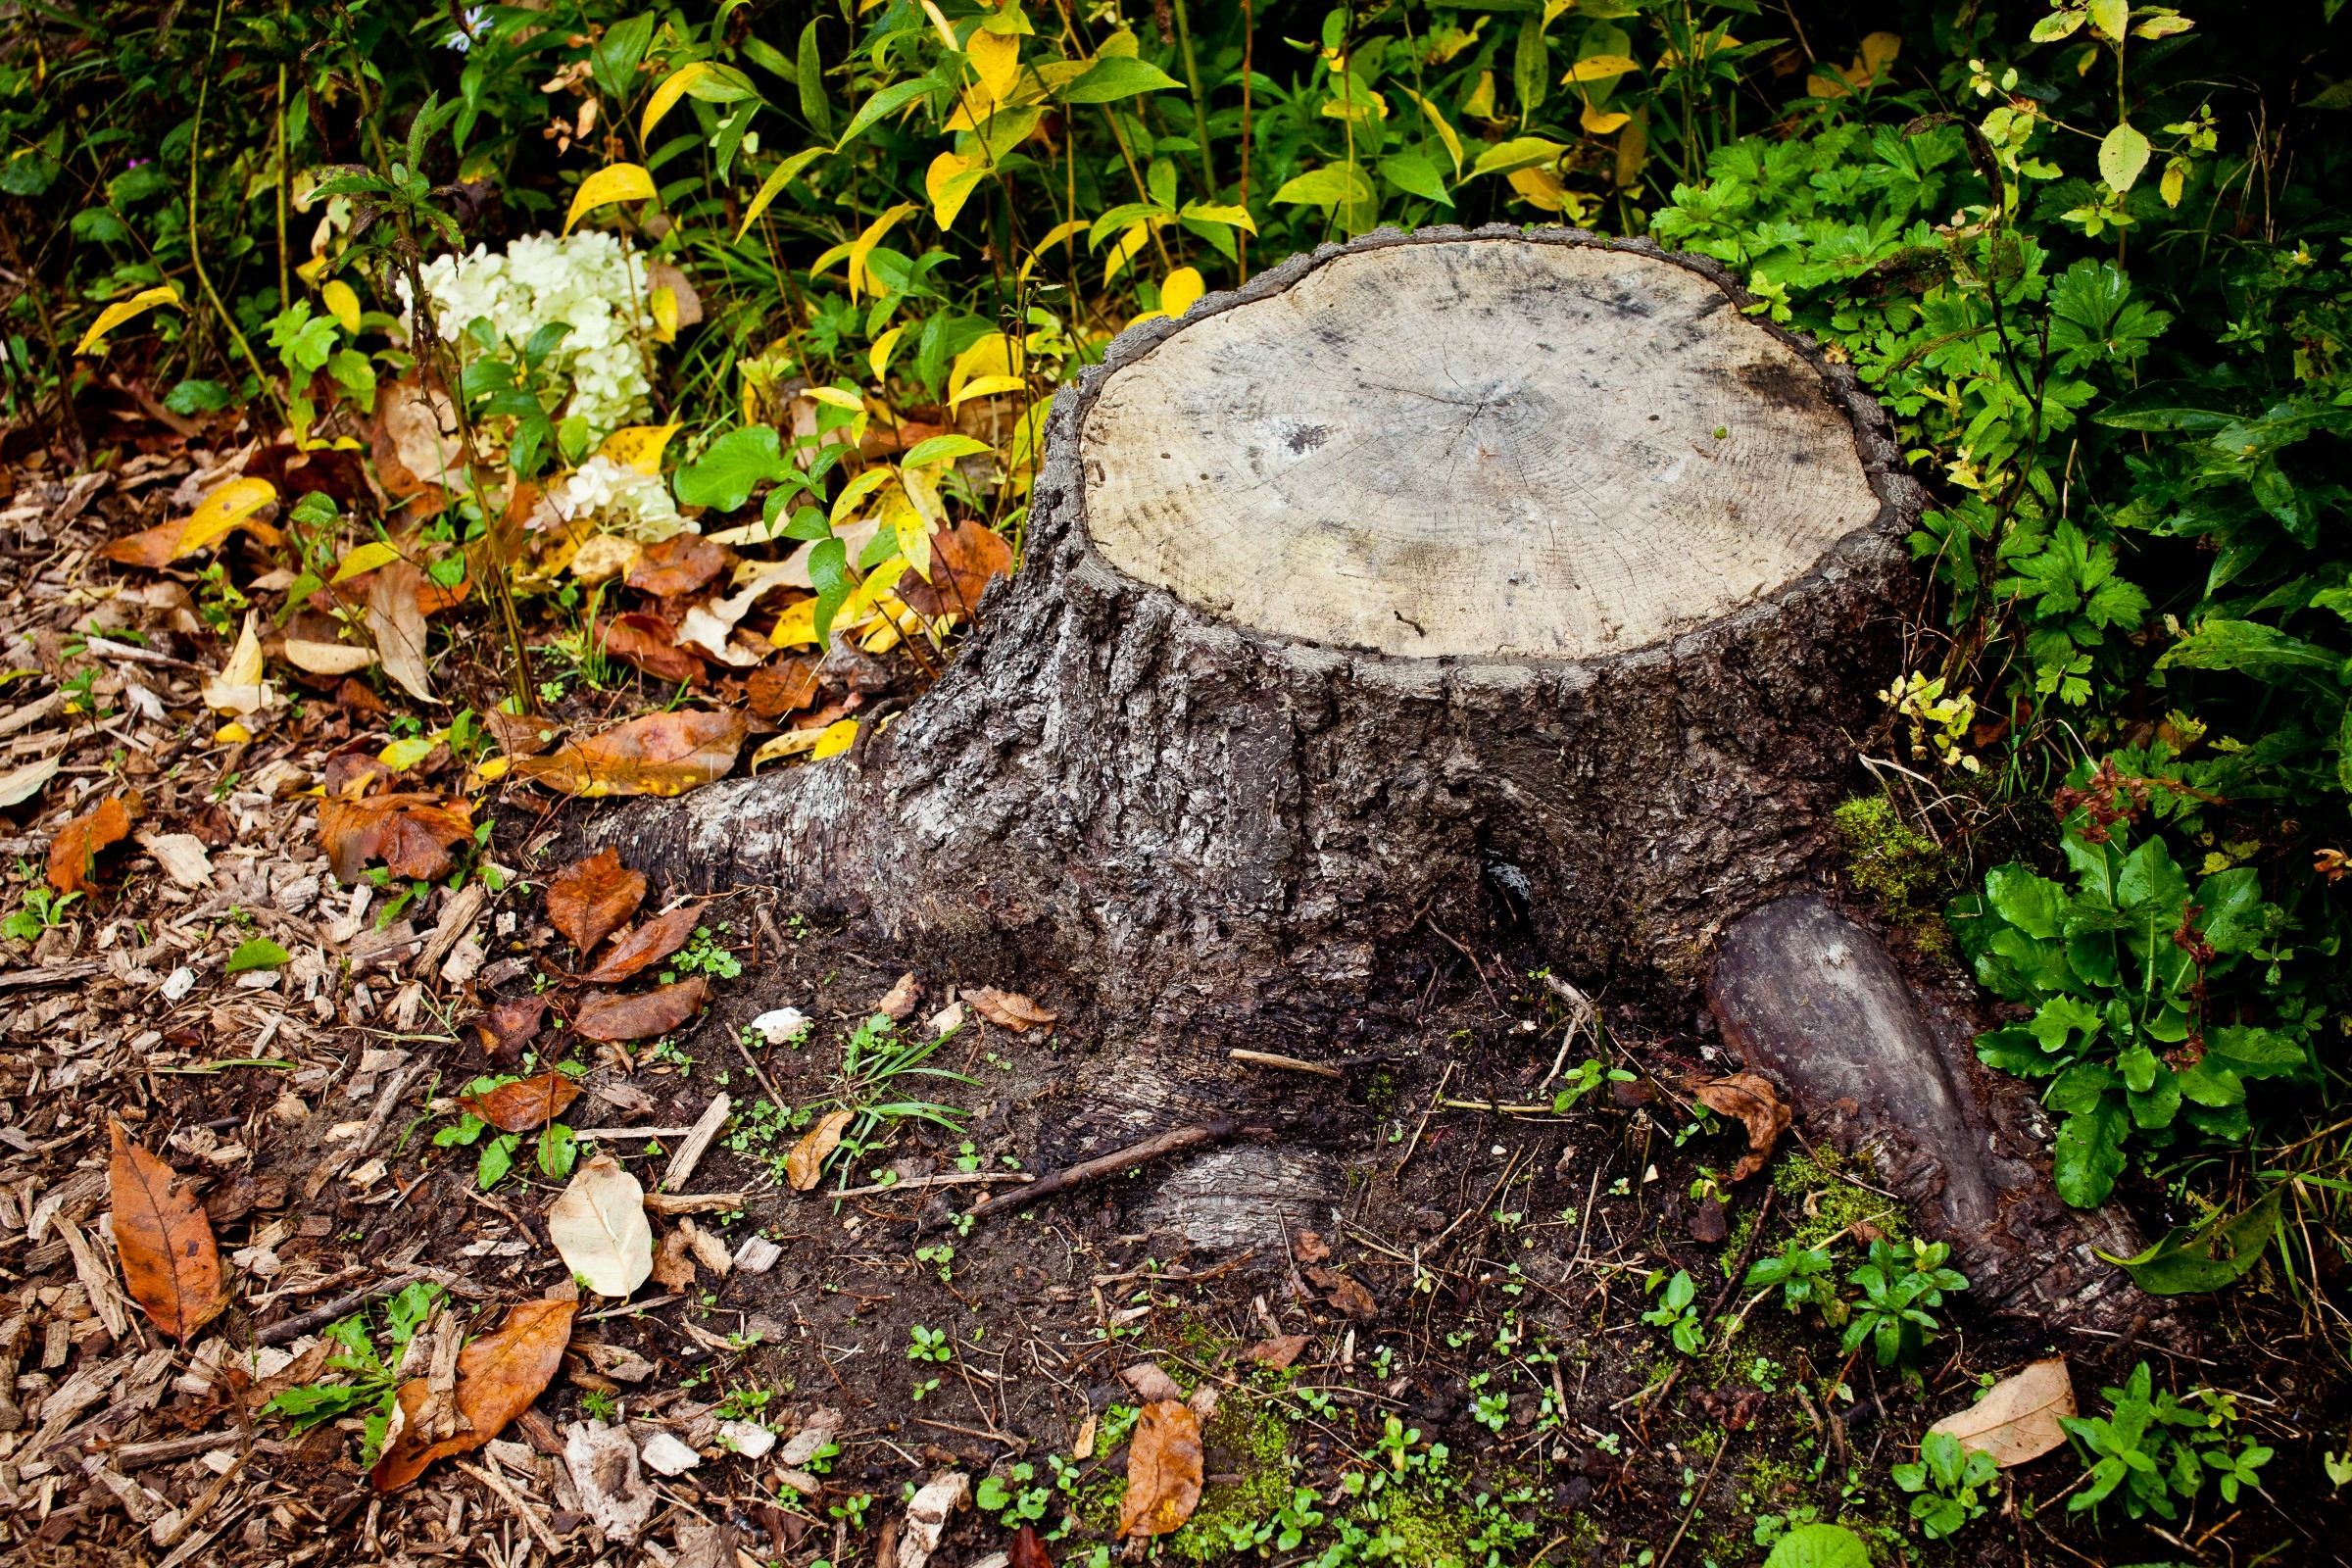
{"x":2175,"y":180}
{"x":878,"y":357}
{"x":797,"y":627}
{"x":365,"y":558}
{"x":492,"y":769}
{"x":840,"y":735}
{"x":604,"y":556}
{"x":239,"y":688}
{"x":1878,"y":50}
{"x":857,"y":490}
{"x":985,"y":386}
{"x":1055,"y":236}
{"x":1184,"y":287}
{"x":991,"y":354}
{"x":341,"y":304}
{"x":997,"y":56}
{"x":863,"y":245}
{"x":231,"y":733}
{"x":1596,"y":67}
{"x":1599,"y":124}
{"x":834,"y":396}
{"x":1238,"y":217}
{"x":921,"y":513}
{"x":1123,"y":251}
{"x":1540,"y":187}
{"x":1437,"y":123}
{"x":665,"y":97}
{"x":878,"y":582}
{"x":663,"y":302}
{"x":1480,"y":105}
{"x":122,"y":311}
{"x":947,"y":34}
{"x":404,"y":754}
{"x":620,"y":182}
{"x":791,"y":742}
{"x":224,"y":509}
{"x":638,"y":446}
{"x":949,"y":183}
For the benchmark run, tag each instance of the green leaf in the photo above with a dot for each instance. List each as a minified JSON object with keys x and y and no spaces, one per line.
{"x":2031,"y":902}
{"x":2122,"y":154}
{"x":2089,"y":1153}
{"x":2253,"y":1052}
{"x":2058,"y":1016}
{"x":2216,"y":643}
{"x":829,"y":571}
{"x":1327,"y":186}
{"x":257,"y":953}
{"x":723,"y":477}
{"x":815,"y":105}
{"x":2015,"y":1051}
{"x":613,"y":59}
{"x":1415,"y":175}
{"x":889,"y":101}
{"x":497,"y":1158}
{"x":2149,"y":880}
{"x":2167,"y":405}
{"x":1819,"y":1545}
{"x":2208,"y":1258}
{"x":942,"y":448}
{"x":1117,"y":76}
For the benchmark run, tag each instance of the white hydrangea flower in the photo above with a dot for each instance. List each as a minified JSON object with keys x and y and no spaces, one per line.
{"x":585,"y":279}
{"x":618,"y":499}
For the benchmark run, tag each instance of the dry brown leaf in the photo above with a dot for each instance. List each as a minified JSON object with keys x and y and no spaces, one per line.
{"x":807,"y":1162}
{"x":74,"y":853}
{"x":396,"y":620}
{"x":1009,"y":1010}
{"x":1278,"y":1352}
{"x":589,"y":900}
{"x":1749,"y":1099}
{"x":673,"y":1264}
{"x":678,"y":565}
{"x":647,"y":643}
{"x":164,"y":1242}
{"x":661,"y":753}
{"x":2017,"y":1420}
{"x":525,"y":1103}
{"x":327,"y":659}
{"x":657,"y":939}
{"x":521,"y":734}
{"x":499,"y":1375}
{"x":1028,"y":1551}
{"x":411,"y":833}
{"x":1164,"y":1470}
{"x":1308,"y":1248}
{"x":962,"y":562}
{"x":607,"y":1016}
{"x":899,"y":1002}
{"x":1346,"y":1294}
{"x":784,"y":687}
{"x":1151,"y":1381}
{"x":510,"y":1027}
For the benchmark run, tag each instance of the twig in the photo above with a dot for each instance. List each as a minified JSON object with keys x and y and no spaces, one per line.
{"x":1265,"y":1058}
{"x":1414,"y":1142}
{"x":626,"y":1308}
{"x":1697,"y":1501}
{"x":506,"y":1493}
{"x":1582,"y":1016}
{"x":1093,"y":1170}
{"x":125,"y":652}
{"x":760,"y":1073}
{"x":977,"y":1178}
{"x":389,"y":1096}
{"x":343,"y":1305}
{"x":1740,"y":1268}
{"x":169,"y":1535}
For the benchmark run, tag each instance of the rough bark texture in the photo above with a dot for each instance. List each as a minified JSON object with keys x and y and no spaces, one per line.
{"x":1215,"y":830}
{"x":1811,"y":999}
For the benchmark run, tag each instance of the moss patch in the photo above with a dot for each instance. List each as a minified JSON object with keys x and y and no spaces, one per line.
{"x":1901,"y":870}
{"x":1249,"y":1437}
{"x":1822,"y":1204}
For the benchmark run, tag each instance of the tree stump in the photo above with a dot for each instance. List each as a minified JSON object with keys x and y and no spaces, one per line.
{"x":1423,"y":586}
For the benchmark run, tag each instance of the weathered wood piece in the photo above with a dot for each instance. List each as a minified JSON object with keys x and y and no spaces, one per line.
{"x":1811,"y":999}
{"x":1529,"y":578}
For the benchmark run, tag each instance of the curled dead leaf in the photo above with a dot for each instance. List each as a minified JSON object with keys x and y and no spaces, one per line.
{"x":412,"y":834}
{"x":498,"y":1377}
{"x":1278,"y":1352}
{"x":2018,"y":1419}
{"x":1164,"y":1471}
{"x":661,"y":753}
{"x":74,"y":853}
{"x":589,"y":900}
{"x":164,"y":1239}
{"x":673,"y":1262}
{"x":900,"y":999}
{"x":806,"y":1164}
{"x":657,"y":939}
{"x":962,"y":561}
{"x":1749,"y":1099}
{"x":525,"y":1103}
{"x":327,"y":659}
{"x":521,"y":734}
{"x":1009,"y":1010}
{"x":607,"y":1016}
{"x":1308,"y":1248}
{"x":647,"y":643}
{"x":510,"y":1027}
{"x":784,"y":687}
{"x":1028,"y":1551}
{"x":678,"y":565}
{"x":396,"y":620}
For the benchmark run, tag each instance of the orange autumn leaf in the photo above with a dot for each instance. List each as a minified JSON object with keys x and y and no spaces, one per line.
{"x":1164,"y":1470}
{"x":678,"y":565}
{"x":589,"y":900}
{"x":661,"y":753}
{"x":784,"y":687}
{"x":1010,"y":1010}
{"x":1749,"y":1099}
{"x":647,"y":943}
{"x":74,"y":853}
{"x":164,"y":1242}
{"x":411,"y":833}
{"x":962,"y":561}
{"x":499,"y":1377}
{"x":525,"y":1103}
{"x":647,"y":643}
{"x":806,"y":1161}
{"x":605,"y":1016}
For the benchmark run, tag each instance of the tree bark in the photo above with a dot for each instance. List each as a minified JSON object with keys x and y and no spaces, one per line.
{"x":1448,"y":581}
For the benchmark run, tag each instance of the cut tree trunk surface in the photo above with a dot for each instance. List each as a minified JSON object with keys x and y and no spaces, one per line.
{"x":1434,"y":582}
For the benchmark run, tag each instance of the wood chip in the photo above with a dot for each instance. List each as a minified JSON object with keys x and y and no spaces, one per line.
{"x":698,"y":1140}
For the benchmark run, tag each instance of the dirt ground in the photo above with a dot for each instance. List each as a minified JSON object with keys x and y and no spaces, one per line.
{"x":1412,"y":1317}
